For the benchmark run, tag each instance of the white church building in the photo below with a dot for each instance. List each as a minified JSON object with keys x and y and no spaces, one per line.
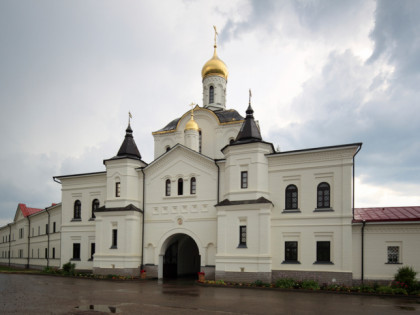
{"x":217,"y":198}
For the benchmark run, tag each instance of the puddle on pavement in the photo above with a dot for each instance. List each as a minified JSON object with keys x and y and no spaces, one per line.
{"x":99,"y":308}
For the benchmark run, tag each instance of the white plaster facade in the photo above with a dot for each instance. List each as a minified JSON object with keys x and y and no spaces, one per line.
{"x":216,"y":199}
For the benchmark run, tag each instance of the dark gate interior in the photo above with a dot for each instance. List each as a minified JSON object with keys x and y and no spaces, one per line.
{"x":182,"y":258}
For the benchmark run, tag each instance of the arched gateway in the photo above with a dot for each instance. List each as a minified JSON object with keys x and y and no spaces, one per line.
{"x":179,"y":257}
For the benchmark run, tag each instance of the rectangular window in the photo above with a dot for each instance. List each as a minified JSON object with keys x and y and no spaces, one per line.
{"x":32,"y":231}
{"x":53,"y":253}
{"x":323,"y":253}
{"x":39,"y":230}
{"x":242,"y":236}
{"x":76,"y":251}
{"x":38,"y":253}
{"x":46,"y":228}
{"x":114,"y":238}
{"x":92,"y":250}
{"x":393,"y":254}
{"x":20,"y":253}
{"x":291,"y":251}
{"x":54,"y":227}
{"x":46,"y":253}
{"x":244,"y":179}
{"x":117,"y":189}
{"x":32,"y":253}
{"x":21,"y":233}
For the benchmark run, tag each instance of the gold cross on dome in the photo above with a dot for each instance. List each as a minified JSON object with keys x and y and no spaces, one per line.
{"x":250,"y":95}
{"x":215,"y":35}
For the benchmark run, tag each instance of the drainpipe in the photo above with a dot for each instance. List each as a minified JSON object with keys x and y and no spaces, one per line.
{"x":10,"y":234}
{"x":363,"y":250}
{"x":144,"y":211}
{"x":218,"y":180}
{"x":29,"y":241}
{"x":48,"y":240}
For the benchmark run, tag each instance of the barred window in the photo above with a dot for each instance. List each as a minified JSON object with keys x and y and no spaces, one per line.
{"x":393,"y":254}
{"x":323,"y":195}
{"x":291,"y":197}
{"x":168,"y":187}
{"x":117,"y":189}
{"x":242,"y":236}
{"x":211,"y":94}
{"x":193,"y":186}
{"x":77,"y":210}
{"x":244,"y":179}
{"x":290,"y":251}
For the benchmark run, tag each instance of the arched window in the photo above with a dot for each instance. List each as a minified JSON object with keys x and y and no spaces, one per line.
{"x":168,"y":187}
{"x":193,"y":186}
{"x":95,"y":206}
{"x":77,"y":209}
{"x":291,"y":197}
{"x":323,"y":195}
{"x":167,"y":148}
{"x":211,"y":94}
{"x":231,"y":140}
{"x":180,"y":187}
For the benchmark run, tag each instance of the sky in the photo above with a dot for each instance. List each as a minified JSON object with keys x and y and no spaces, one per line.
{"x":321,"y":73}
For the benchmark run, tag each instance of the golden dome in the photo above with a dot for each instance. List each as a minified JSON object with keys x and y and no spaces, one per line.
{"x":191,"y":124}
{"x":214,"y":66}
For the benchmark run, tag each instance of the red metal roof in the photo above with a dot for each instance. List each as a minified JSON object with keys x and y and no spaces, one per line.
{"x":26,"y":211}
{"x":386,"y":214}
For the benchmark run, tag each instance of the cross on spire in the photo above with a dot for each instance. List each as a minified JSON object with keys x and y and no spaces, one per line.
{"x":129,"y":117}
{"x":250,"y":95}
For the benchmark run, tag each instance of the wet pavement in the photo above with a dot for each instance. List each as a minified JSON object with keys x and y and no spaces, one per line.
{"x":36,"y":294}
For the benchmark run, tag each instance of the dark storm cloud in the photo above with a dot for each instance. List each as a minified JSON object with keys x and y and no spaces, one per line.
{"x":397,"y":38}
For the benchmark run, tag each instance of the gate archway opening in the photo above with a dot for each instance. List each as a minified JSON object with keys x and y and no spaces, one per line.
{"x":182,"y":257}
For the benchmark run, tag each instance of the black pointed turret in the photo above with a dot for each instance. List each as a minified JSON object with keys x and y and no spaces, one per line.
{"x":128,"y":147}
{"x":249,"y":131}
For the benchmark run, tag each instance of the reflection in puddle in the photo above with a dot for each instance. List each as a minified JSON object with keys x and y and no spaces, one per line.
{"x":100,"y":308}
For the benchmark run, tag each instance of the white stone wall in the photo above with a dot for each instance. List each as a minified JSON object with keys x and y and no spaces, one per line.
{"x":377,"y":238}
{"x":307,"y":226}
{"x":219,"y":85}
{"x":39,"y":240}
{"x":85,"y":188}
{"x":192,"y":215}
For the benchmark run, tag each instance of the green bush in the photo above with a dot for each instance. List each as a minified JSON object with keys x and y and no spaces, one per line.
{"x":69,"y":268}
{"x":310,"y":285}
{"x":285,"y":283}
{"x":406,"y":275}
{"x":384,"y":290}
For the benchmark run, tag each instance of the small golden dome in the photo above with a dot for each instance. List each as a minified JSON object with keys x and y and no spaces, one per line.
{"x":214,"y":66}
{"x":191,"y":124}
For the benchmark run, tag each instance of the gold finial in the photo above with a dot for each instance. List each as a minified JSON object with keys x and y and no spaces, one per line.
{"x":129,"y":117}
{"x":215,"y":36}
{"x":250,"y":95}
{"x":191,"y":124}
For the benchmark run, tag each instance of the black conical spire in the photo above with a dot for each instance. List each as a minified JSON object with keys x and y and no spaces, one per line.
{"x":128,"y":147}
{"x":249,"y":131}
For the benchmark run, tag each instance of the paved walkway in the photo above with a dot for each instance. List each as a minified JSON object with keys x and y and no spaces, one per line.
{"x":35,"y":294}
